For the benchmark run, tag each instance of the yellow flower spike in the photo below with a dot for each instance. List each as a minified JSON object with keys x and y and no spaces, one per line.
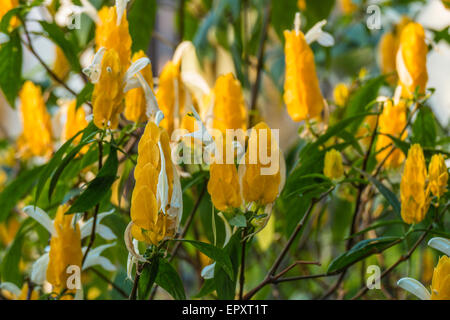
{"x":259,"y":186}
{"x":223,"y":185}
{"x":36,"y":139}
{"x":229,"y":107}
{"x":391,"y":121}
{"x":440,"y":285}
{"x":61,"y":66}
{"x":107,"y":97}
{"x":301,"y":87}
{"x":150,"y":223}
{"x":347,"y":6}
{"x":413,"y":193}
{"x":171,"y":95}
{"x":75,"y":122}
{"x":387,"y":51}
{"x":333,"y":167}
{"x":135,"y":103}
{"x":412,"y":60}
{"x":115,"y":36}
{"x":340,"y":94}
{"x":437,"y":175}
{"x":7,"y":5}
{"x":65,"y":249}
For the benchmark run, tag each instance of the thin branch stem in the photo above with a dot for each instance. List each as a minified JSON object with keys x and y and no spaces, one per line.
{"x":242,"y":272}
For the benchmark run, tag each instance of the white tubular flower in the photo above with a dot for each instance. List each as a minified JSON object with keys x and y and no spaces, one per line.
{"x":132,"y":260}
{"x":162,"y":188}
{"x":317,"y":34}
{"x":94,"y":70}
{"x":39,"y":269}
{"x":93,"y":258}
{"x":415,"y":287}
{"x":3,"y":38}
{"x":202,"y":133}
{"x":403,"y":73}
{"x":440,"y":244}
{"x":104,"y":231}
{"x":10,"y":287}
{"x":67,"y":11}
{"x":121,"y":6}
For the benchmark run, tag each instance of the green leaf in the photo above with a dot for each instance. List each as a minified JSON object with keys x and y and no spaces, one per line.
{"x":5,"y":20}
{"x":99,"y":187}
{"x":56,"y":34}
{"x":148,"y":276}
{"x":214,"y":253}
{"x":11,"y":67}
{"x":16,"y":190}
{"x":388,"y":194}
{"x":209,"y":285}
{"x":141,"y":19}
{"x":225,"y":286}
{"x":377,"y":225}
{"x":424,"y":128}
{"x":238,"y":221}
{"x":169,"y":280}
{"x":361,"y":250}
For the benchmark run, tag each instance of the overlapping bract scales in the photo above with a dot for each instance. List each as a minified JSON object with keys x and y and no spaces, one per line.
{"x":135,"y":103}
{"x":301,"y":87}
{"x":36,"y":139}
{"x":112,"y":36}
{"x":107,"y":97}
{"x":440,"y":285}
{"x":437,"y":175}
{"x":229,"y":108}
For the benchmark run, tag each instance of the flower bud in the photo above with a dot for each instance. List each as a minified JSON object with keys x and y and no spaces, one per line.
{"x":437,"y":175}
{"x":333,"y":167}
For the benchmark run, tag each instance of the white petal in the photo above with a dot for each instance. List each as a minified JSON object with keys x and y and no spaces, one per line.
{"x":403,"y":73}
{"x":94,"y":70}
{"x":228,"y":232}
{"x":297,"y":22}
{"x":415,"y":287}
{"x":129,"y":243}
{"x":131,"y":84}
{"x":325,"y":39}
{"x":136,"y":67}
{"x":105,"y":232}
{"x":150,"y":98}
{"x":195,"y":80}
{"x":3,"y":38}
{"x":130,"y":262}
{"x":90,"y":10}
{"x":177,"y":55}
{"x":11,"y":287}
{"x":162,"y":188}
{"x":86,"y":228}
{"x":440,"y":244}
{"x":317,"y":34}
{"x":208,"y":271}
{"x":41,"y":217}
{"x":93,"y":258}
{"x":121,"y":6}
{"x":39,"y":269}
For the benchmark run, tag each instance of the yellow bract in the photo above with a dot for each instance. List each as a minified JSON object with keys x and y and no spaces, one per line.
{"x":8,"y":230}
{"x":340,"y":94}
{"x":223,"y":184}
{"x":333,"y":167}
{"x":437,"y":175}
{"x":112,"y":36}
{"x":257,"y":186}
{"x":171,"y":96}
{"x":151,"y":225}
{"x":107,"y":97}
{"x":301,"y":87}
{"x":229,"y":106}
{"x":413,"y":52}
{"x":135,"y":103}
{"x":5,"y":6}
{"x":392,"y":121}
{"x":61,"y":66}
{"x":413,"y":192}
{"x":36,"y":139}
{"x":440,"y":286}
{"x":75,"y":122}
{"x":65,"y":249}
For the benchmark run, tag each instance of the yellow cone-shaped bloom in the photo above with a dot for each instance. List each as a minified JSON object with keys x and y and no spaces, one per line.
{"x":5,"y":6}
{"x":412,"y":59}
{"x":413,"y":193}
{"x":135,"y":104}
{"x":152,"y":225}
{"x":392,"y":121}
{"x":107,"y":98}
{"x":229,"y":107}
{"x":333,"y":167}
{"x":61,"y":66}
{"x":36,"y":139}
{"x":171,"y":95}
{"x":301,"y":87}
{"x":112,"y":36}
{"x":65,"y":249}
{"x":257,"y":185}
{"x":440,"y":285}
{"x":340,"y":94}
{"x":437,"y":175}
{"x":223,"y":184}
{"x":347,"y":6}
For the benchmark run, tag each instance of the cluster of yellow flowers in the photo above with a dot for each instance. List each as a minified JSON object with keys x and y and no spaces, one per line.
{"x":417,"y":186}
